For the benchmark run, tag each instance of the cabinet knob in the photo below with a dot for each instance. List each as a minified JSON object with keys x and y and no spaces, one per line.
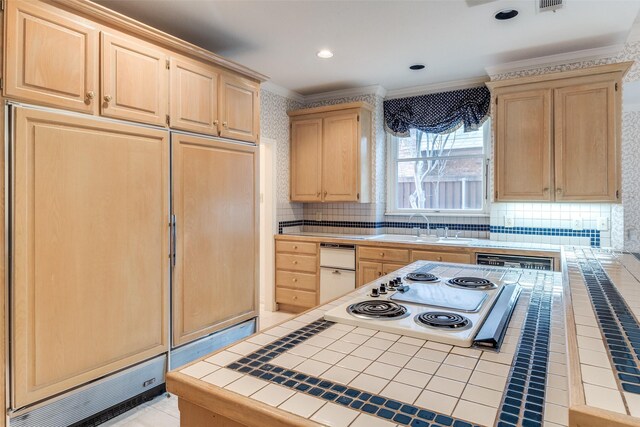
{"x":295,"y":280}
{"x":545,"y":190}
{"x":295,"y":262}
{"x":90,"y":95}
{"x":107,"y":98}
{"x":225,"y":124}
{"x":325,"y":193}
{"x":215,"y":122}
{"x":379,"y":273}
{"x":382,"y":254}
{"x":295,"y":297}
{"x":318,"y":195}
{"x":295,"y":246}
{"x":439,"y":258}
{"x":559,"y":190}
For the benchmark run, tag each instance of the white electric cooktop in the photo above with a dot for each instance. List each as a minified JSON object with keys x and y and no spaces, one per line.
{"x":436,"y":308}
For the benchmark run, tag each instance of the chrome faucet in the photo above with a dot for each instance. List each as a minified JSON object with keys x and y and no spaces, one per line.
{"x":413,"y":215}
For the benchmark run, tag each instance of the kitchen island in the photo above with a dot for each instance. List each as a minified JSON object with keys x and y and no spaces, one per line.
{"x":309,"y":371}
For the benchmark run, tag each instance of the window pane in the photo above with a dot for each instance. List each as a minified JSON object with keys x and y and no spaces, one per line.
{"x":420,"y":144}
{"x":441,"y":183}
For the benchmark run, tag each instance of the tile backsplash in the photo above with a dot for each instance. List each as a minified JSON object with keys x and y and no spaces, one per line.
{"x":587,"y":224}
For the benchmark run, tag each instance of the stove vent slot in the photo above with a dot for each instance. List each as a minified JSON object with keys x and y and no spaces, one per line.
{"x":550,"y":5}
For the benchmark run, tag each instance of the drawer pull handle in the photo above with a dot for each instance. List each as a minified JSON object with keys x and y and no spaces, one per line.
{"x":336,"y":272}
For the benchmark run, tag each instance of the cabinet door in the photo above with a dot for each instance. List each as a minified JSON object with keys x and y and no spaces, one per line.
{"x":306,"y":155}
{"x":390,"y":268}
{"x":239,"y":108}
{"x":194,"y":96}
{"x":134,"y":80}
{"x":368,"y":272}
{"x":523,"y":168}
{"x":340,"y":171}
{"x":51,"y":57}
{"x":215,"y":204}
{"x":586,"y":148}
{"x":90,"y":270}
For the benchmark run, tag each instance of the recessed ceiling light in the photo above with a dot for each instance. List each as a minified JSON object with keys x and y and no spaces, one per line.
{"x":325,"y":54}
{"x":416,"y":67}
{"x":504,"y":14}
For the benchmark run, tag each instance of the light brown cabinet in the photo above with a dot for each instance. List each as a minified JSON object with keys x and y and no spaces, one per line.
{"x":194,"y":96}
{"x":587,"y":151}
{"x":239,"y":108}
{"x":368,"y":271}
{"x":331,"y":153}
{"x":55,"y":58}
{"x":51,"y":57}
{"x":557,"y":136}
{"x":216,"y":240}
{"x":375,"y":262}
{"x":306,"y":160}
{"x":90,"y":251}
{"x":297,"y":275}
{"x":134,"y":80}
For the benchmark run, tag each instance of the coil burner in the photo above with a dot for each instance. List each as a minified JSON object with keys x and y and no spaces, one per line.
{"x":472,"y":283}
{"x":379,"y":310}
{"x":422,"y":277}
{"x":442,"y":320}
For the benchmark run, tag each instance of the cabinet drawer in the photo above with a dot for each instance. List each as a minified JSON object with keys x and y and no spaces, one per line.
{"x":294,"y":297}
{"x":306,"y":263}
{"x":440,"y":256}
{"x":385,"y":254}
{"x":296,"y":247}
{"x":290,"y":279}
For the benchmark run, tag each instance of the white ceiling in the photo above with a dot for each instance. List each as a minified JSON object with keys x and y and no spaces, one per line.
{"x":375,"y":41}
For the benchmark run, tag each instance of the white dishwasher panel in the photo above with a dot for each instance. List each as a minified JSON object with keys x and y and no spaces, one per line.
{"x":335,"y":282}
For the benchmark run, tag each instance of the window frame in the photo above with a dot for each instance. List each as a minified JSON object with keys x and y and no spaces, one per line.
{"x":392,"y":165}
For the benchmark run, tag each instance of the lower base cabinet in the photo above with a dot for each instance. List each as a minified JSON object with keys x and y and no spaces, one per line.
{"x":460,"y":258}
{"x":90,"y":268}
{"x":297,"y":275}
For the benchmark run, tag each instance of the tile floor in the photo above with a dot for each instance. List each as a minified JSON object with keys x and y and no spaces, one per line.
{"x":163,"y":410}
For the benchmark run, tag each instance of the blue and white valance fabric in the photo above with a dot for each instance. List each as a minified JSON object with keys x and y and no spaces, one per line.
{"x":442,"y":112}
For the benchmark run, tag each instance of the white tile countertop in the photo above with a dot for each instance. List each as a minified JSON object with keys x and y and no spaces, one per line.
{"x":572,"y":349}
{"x":341,"y":375}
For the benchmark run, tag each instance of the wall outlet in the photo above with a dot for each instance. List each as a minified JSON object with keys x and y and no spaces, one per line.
{"x":602,"y":223}
{"x":509,"y":222}
{"x":576,"y":223}
{"x":318,"y":216}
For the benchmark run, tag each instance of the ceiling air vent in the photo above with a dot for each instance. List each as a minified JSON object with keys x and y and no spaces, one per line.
{"x":549,"y":5}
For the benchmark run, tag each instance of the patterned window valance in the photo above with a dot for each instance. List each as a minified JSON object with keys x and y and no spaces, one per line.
{"x":441,"y":112}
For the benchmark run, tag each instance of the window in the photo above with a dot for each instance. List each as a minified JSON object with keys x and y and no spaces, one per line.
{"x":438,"y":173}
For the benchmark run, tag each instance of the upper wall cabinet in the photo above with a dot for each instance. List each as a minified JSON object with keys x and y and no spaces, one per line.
{"x":134,"y":80}
{"x":51,"y":57}
{"x":557,"y":136}
{"x":331,"y":153}
{"x":239,"y":108}
{"x":194,"y":96}
{"x":65,"y":60}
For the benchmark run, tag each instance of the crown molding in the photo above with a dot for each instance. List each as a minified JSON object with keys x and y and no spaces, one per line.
{"x":343,"y":93}
{"x":436,"y":87}
{"x":558,"y":59}
{"x":282,"y":91}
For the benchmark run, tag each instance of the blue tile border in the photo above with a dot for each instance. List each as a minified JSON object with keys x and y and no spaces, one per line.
{"x":619,"y":326}
{"x":257,"y":365}
{"x":593,"y":235}
{"x":524,"y":396}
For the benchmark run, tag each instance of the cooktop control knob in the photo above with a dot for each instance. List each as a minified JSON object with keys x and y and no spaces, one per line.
{"x":374,"y":292}
{"x":383,"y":288}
